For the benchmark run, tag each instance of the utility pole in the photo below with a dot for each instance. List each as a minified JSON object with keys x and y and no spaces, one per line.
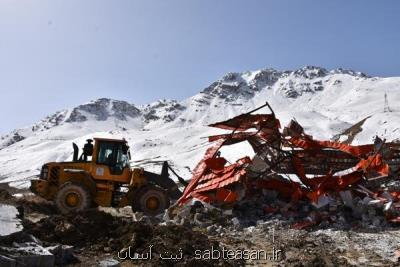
{"x":386,"y":107}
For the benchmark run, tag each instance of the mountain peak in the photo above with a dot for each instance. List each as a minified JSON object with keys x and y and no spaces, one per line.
{"x":349,"y":72}
{"x":103,"y":108}
{"x":311,"y":72}
{"x":165,"y":110}
{"x":292,"y":83}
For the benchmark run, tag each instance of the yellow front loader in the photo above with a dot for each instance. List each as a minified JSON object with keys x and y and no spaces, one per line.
{"x":102,"y":176}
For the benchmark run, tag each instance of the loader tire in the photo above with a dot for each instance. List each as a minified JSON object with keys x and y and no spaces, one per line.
{"x":72,"y":198}
{"x":151,"y":200}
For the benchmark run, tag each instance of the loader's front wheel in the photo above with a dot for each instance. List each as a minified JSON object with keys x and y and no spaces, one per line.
{"x":151,"y":200}
{"x":72,"y":198}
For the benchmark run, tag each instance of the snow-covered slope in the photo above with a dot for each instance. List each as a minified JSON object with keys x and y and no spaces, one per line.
{"x":326,"y":103}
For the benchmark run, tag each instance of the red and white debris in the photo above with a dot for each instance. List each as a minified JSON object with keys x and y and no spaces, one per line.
{"x":325,"y":171}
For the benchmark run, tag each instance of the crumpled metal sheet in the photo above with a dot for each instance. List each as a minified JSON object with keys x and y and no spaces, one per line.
{"x":199,"y":171}
{"x":211,"y":174}
{"x":374,"y":163}
{"x":247,"y":121}
{"x":307,"y":143}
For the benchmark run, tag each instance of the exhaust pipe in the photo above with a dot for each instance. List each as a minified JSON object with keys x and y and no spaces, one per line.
{"x":76,"y":152}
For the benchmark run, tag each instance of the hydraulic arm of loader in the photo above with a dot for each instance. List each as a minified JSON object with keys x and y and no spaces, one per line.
{"x":164,"y":181}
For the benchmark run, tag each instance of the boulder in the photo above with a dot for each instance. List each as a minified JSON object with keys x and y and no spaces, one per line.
{"x":63,"y":254}
{"x":109,"y":263}
{"x":28,"y":254}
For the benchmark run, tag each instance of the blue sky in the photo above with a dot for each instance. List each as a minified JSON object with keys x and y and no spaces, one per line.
{"x":56,"y":54}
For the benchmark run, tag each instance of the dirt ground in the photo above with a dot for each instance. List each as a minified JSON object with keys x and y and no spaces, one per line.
{"x":100,"y":234}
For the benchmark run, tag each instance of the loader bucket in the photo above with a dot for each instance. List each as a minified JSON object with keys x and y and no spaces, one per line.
{"x":40,"y":187}
{"x":164,"y":181}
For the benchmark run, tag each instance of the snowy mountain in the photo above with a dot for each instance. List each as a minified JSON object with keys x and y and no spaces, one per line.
{"x":337,"y":104}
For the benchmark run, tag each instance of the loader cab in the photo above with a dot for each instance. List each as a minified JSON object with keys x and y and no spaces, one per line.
{"x":106,"y":159}
{"x":112,"y":153}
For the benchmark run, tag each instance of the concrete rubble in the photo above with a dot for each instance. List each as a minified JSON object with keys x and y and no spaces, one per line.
{"x":17,"y":248}
{"x":28,"y":254}
{"x":109,"y":263}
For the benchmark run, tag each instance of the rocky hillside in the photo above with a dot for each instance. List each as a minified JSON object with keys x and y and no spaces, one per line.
{"x":326,"y":103}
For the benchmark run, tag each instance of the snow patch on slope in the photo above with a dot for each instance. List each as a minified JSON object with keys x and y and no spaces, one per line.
{"x":325,"y":102}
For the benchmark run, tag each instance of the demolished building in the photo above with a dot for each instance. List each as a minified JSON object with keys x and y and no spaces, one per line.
{"x":295,"y":165}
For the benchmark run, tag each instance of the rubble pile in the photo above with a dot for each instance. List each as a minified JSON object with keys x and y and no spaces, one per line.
{"x":58,"y":240}
{"x":23,"y":249}
{"x":26,"y":203}
{"x":5,"y":196}
{"x":295,"y":176}
{"x":18,"y":247}
{"x":329,"y":213}
{"x":97,"y":231}
{"x":83,"y":229}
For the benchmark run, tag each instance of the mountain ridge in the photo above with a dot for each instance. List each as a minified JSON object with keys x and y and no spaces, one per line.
{"x":325,"y":102}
